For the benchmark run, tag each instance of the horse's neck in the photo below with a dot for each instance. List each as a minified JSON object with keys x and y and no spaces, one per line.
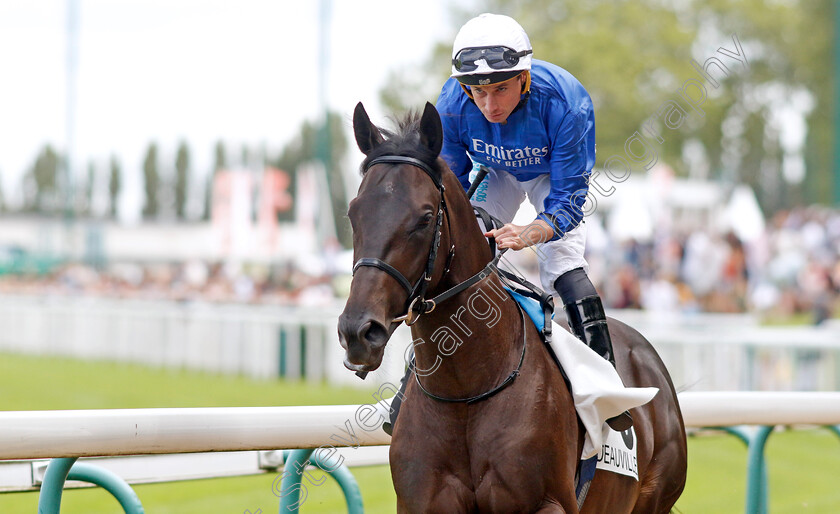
{"x":471,"y":343}
{"x":474,"y":339}
{"x":472,"y":252}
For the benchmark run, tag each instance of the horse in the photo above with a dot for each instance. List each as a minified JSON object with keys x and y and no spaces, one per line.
{"x":488,"y":423}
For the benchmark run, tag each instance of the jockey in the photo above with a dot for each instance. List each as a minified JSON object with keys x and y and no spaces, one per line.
{"x":533,"y":125}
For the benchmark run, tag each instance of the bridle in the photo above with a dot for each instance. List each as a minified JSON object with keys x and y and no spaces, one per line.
{"x":416,"y":303}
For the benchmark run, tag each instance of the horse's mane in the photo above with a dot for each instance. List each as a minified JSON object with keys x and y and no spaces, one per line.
{"x":404,"y":141}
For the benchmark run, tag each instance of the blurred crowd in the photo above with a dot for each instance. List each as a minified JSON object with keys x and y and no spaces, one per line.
{"x":185,"y":282}
{"x":791,"y":272}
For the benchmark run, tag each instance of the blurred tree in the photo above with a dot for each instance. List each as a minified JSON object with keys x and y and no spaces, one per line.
{"x":408,"y":87}
{"x":114,"y":186}
{"x":182,"y":165}
{"x":219,"y":163}
{"x":41,"y":182}
{"x":208,"y":196}
{"x":633,"y":57}
{"x":761,"y":134}
{"x":151,"y":183}
{"x":313,"y":142}
{"x":406,"y":90}
{"x":245,"y":156}
{"x":86,"y":206}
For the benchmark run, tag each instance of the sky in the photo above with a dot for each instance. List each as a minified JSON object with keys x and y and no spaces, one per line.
{"x":245,"y":72}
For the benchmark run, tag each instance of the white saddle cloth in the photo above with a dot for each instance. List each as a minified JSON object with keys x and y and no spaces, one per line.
{"x":597,"y":390}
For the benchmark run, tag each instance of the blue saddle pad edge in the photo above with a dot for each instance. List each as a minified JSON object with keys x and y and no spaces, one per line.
{"x":531,"y":307}
{"x":587,"y":473}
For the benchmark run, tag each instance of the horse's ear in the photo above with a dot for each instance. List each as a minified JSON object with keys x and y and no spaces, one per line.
{"x":368,"y":136}
{"x":431,"y":131}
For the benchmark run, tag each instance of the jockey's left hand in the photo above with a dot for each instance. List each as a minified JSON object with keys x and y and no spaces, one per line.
{"x":517,"y":237}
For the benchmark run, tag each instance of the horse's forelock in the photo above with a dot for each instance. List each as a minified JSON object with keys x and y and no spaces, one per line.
{"x":404,"y":141}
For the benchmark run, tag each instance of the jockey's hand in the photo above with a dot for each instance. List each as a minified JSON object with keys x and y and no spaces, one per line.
{"x":517,"y":237}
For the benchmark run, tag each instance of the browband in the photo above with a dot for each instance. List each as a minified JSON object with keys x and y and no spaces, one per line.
{"x":402,"y":159}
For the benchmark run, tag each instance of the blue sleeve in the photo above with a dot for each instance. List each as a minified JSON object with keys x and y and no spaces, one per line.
{"x":572,"y":159}
{"x":454,"y":151}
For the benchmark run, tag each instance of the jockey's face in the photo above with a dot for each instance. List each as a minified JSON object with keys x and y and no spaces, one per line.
{"x":497,"y":101}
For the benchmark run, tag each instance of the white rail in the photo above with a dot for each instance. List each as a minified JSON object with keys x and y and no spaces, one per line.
{"x":47,"y":434}
{"x":730,"y":408}
{"x":78,"y":433}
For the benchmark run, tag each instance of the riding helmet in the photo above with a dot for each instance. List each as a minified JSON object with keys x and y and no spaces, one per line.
{"x":488,"y":33}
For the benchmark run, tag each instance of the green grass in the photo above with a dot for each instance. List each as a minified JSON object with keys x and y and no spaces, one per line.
{"x":803,"y":465}
{"x":35,"y":383}
{"x":223,"y":495}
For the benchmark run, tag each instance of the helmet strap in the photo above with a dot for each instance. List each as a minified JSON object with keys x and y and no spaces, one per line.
{"x":526,"y":87}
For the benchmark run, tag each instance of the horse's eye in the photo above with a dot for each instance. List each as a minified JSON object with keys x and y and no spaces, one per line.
{"x":426,"y":219}
{"x":423,"y":222}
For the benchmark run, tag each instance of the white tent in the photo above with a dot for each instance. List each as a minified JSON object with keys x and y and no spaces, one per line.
{"x":742,"y":215}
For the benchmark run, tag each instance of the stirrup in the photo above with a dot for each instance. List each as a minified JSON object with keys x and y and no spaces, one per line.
{"x":620,"y":423}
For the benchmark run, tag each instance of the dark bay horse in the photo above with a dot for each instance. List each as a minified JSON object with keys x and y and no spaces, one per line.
{"x":516,"y":448}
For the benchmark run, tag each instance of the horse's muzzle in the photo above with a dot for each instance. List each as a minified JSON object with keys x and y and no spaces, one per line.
{"x":364,"y":341}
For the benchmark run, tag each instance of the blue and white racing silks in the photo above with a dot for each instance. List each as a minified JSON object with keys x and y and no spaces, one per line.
{"x":552,"y":133}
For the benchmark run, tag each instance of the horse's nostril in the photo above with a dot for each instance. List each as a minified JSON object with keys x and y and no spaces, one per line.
{"x":375,"y":334}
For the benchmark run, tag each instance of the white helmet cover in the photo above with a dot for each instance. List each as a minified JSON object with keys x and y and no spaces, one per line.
{"x":491,"y":30}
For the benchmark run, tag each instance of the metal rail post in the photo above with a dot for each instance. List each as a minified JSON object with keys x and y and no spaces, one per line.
{"x":61,"y":470}
{"x":49,"y":501}
{"x":757,"y":472}
{"x":747,"y":438}
{"x":109,"y":481}
{"x":295,"y":467}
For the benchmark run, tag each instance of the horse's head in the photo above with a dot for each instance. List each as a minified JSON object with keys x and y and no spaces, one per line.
{"x":395,"y":218}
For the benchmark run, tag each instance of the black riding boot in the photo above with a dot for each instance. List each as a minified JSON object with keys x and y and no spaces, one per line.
{"x":589,"y":323}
